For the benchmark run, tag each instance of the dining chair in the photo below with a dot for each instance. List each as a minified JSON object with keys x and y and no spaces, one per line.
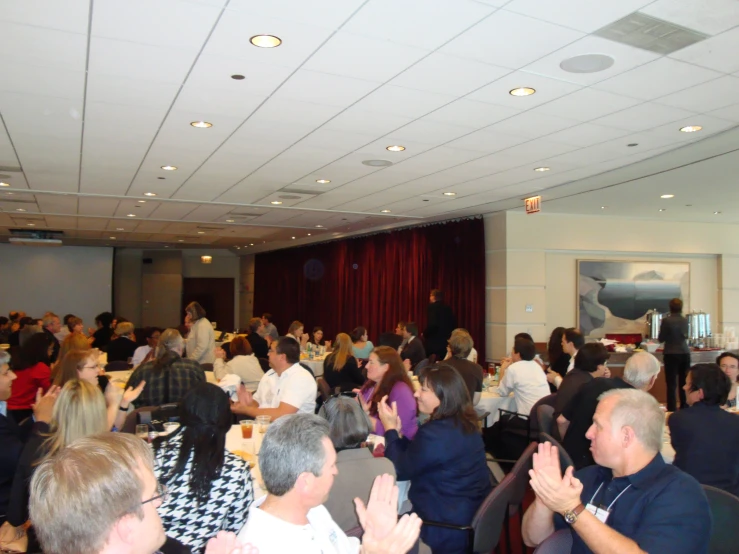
{"x":559,"y":542}
{"x":548,"y":400}
{"x":264,"y":364}
{"x":119,"y":365}
{"x":565,"y":460}
{"x":725,"y":514}
{"x":207,"y":367}
{"x":520,"y":473}
{"x":545,"y":418}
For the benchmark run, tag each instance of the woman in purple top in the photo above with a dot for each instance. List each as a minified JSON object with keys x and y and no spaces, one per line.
{"x":386,"y":376}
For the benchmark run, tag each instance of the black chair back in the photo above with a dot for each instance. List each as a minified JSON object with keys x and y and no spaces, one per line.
{"x":520,"y":473}
{"x":545,"y":419}
{"x":119,"y":365}
{"x":559,"y":542}
{"x":565,"y":460}
{"x":207,"y":367}
{"x":264,"y":363}
{"x":307,"y":368}
{"x":420,"y":365}
{"x":548,"y":400}
{"x":488,"y":521}
{"x":725,"y":514}
{"x":163,"y":413}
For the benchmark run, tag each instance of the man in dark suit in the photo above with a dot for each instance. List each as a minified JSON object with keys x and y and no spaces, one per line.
{"x":413,"y":350}
{"x":258,"y":344}
{"x":705,"y":437}
{"x":52,"y":325}
{"x":440,"y":324}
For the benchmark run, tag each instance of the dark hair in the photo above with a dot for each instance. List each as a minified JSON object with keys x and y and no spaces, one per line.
{"x":358,"y":333}
{"x":315,"y":330}
{"x":149,"y":332}
{"x":714,"y":383}
{"x":289,"y":347}
{"x":412,"y":328}
{"x":25,"y":320}
{"x":67,"y":317}
{"x":4,"y":320}
{"x":33,"y":351}
{"x":396,"y":372}
{"x":554,"y":346}
{"x":205,"y":415}
{"x":676,"y":306}
{"x":240,"y":346}
{"x":267,"y":316}
{"x":13,"y":316}
{"x":105,"y":319}
{"x":254,"y":324}
{"x":389,"y":339}
{"x":524,"y":348}
{"x":575,"y":337}
{"x":437,"y":294}
{"x":726,"y":355}
{"x":590,"y":356}
{"x":453,"y":395}
{"x":524,"y":336}
{"x":195,"y":310}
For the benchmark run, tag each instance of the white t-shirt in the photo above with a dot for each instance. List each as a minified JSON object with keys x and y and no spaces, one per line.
{"x":527,"y":381}
{"x":139,"y":354}
{"x":295,"y":386}
{"x":273,"y":535}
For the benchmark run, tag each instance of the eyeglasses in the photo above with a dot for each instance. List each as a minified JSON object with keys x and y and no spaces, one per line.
{"x":161,"y":492}
{"x":96,"y":366}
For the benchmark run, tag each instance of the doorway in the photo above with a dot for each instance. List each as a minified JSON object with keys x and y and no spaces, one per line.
{"x":215,"y":295}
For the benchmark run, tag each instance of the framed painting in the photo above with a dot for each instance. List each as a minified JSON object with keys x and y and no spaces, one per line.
{"x":615,"y":296}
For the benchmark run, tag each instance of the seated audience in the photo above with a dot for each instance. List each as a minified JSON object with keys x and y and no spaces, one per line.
{"x":209,"y":489}
{"x":361,"y":345}
{"x":14,"y":337}
{"x":296,"y":332}
{"x":285,"y":389}
{"x":259,"y":345}
{"x":145,"y":353}
{"x":572,"y":341}
{"x":79,"y":411}
{"x":640,"y":372}
{"x":705,"y":437}
{"x":460,"y":346}
{"x":104,"y":333}
{"x":729,"y":364}
{"x":122,"y":348}
{"x":168,"y":376}
{"x":448,"y":483}
{"x":243,"y":363}
{"x":357,"y":467}
{"x":413,"y":349}
{"x":269,"y":328}
{"x":13,"y":436}
{"x":316,"y":338}
{"x":5,"y":329}
{"x":472,"y":356}
{"x":340,"y":368}
{"x":51,"y":326}
{"x":201,"y":340}
{"x":298,"y":465}
{"x":64,"y":329}
{"x":559,"y":361}
{"x":73,"y":341}
{"x":386,"y":376}
{"x":33,"y":373}
{"x":631,"y":501}
{"x":590,"y":363}
{"x":392,"y":340}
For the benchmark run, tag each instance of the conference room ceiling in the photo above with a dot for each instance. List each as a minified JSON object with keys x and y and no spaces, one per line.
{"x":96,"y":97}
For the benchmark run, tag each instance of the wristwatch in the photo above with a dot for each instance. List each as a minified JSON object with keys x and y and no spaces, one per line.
{"x":571,"y":515}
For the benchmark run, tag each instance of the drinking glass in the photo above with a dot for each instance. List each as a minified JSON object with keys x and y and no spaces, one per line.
{"x":262,"y":423}
{"x":142,"y":431}
{"x":247,"y":427}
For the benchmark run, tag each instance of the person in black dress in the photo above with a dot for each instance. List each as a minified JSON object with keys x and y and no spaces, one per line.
{"x":673,"y":332}
{"x":340,"y":369}
{"x":439,"y":325}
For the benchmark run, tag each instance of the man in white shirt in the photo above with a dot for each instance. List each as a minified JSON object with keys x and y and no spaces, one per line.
{"x":285,"y":389}
{"x":146,"y":353}
{"x":298,"y":465}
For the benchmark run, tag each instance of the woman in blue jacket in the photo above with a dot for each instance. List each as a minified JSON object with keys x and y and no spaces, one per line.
{"x":445,"y":462}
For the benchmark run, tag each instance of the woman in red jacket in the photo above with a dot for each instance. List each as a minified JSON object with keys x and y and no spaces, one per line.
{"x":33,"y":373}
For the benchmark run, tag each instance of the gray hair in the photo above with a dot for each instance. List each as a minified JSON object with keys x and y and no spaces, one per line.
{"x":79,"y":494}
{"x":169,"y":340}
{"x":124,"y":329}
{"x":4,"y":357}
{"x":292,"y":445}
{"x":640,"y":369}
{"x":27,"y":332}
{"x":349,"y":425}
{"x":640,"y":411}
{"x":49,"y":318}
{"x":460,"y":343}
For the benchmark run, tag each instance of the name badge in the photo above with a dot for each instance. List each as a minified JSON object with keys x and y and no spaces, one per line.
{"x":599,"y":512}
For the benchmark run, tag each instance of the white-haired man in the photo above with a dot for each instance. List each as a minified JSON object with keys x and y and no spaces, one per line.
{"x":631,"y":502}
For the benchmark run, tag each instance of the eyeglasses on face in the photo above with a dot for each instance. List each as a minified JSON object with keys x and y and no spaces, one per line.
{"x":162,"y":493}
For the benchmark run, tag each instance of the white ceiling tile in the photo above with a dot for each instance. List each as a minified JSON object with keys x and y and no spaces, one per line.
{"x":488,"y":142}
{"x":229,"y":102}
{"x":417,"y":22}
{"x":8,"y":158}
{"x":710,"y":126}
{"x":378,"y":149}
{"x":657,"y":78}
{"x":712,"y":95}
{"x":215,"y":72}
{"x":438,"y":159}
{"x":358,"y":120}
{"x":291,"y":113}
{"x":404,"y":102}
{"x":532,"y":125}
{"x":706,"y":16}
{"x":209,"y":213}
{"x":339,"y":140}
{"x":586,"y":104}
{"x":430,"y":132}
{"x":730,"y":112}
{"x":97,"y":206}
{"x":625,"y":58}
{"x":52,"y":81}
{"x":352,"y":55}
{"x":642,"y":117}
{"x":505,"y":39}
{"x":471,"y":113}
{"x":36,"y":46}
{"x":176,"y":131}
{"x":717,"y":53}
{"x":170,"y":210}
{"x":527,"y":153}
{"x":130,"y":92}
{"x":322,"y":88}
{"x":115,"y":122}
{"x":447,"y":74}
{"x":44,"y":116}
{"x":577,"y":14}
{"x":586,"y":134}
{"x":139,"y":61}
{"x":326,"y":13}
{"x":339,"y":172}
{"x":70,"y":16}
{"x":546,"y":90}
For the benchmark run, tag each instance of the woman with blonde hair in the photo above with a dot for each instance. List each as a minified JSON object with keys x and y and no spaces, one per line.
{"x":340,"y":369}
{"x":73,"y":341}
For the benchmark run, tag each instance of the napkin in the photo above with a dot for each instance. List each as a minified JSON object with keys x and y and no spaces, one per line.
{"x":230,"y":384}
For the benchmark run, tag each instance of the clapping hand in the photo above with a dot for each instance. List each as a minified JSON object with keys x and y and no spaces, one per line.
{"x":245,"y":399}
{"x":226,"y":542}
{"x":557,"y":493}
{"x":44,"y":406}
{"x":551,"y":376}
{"x":388,"y":415}
{"x":132,"y":394}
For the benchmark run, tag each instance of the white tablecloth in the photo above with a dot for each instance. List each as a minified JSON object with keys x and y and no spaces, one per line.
{"x":491,"y":401}
{"x":316,"y":365}
{"x":122,"y":376}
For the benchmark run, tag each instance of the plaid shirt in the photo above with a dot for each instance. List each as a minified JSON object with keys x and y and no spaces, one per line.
{"x":183,"y":373}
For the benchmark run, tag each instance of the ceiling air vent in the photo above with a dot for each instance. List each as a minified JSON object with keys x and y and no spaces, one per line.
{"x":649,"y":33}
{"x":25,"y":237}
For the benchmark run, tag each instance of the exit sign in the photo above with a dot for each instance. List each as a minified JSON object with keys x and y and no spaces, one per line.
{"x":533,"y":204}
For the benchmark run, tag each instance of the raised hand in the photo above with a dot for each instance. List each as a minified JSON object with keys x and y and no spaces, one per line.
{"x":44,"y":406}
{"x":388,"y":414}
{"x":546,"y":460}
{"x":559,"y":494}
{"x":400,"y":540}
{"x":132,"y":394}
{"x":226,"y":542}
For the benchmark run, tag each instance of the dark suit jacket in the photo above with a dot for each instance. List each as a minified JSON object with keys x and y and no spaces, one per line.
{"x":706,"y":443}
{"x":674,"y":333}
{"x":13,"y":437}
{"x":258,"y":345}
{"x":413,"y":351}
{"x":120,"y":349}
{"x":440,"y":324}
{"x":55,"y":346}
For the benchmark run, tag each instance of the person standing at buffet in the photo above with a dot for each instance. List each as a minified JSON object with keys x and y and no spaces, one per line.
{"x":673,"y":332}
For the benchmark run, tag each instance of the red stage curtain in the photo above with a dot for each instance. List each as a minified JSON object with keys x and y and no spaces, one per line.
{"x":377,"y":280}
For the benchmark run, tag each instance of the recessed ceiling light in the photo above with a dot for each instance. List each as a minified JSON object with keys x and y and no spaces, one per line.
{"x":308,"y":234}
{"x":323,"y":181}
{"x":541,"y":169}
{"x":112,"y":238}
{"x":276,"y":202}
{"x":663,"y":209}
{"x":119,"y":229}
{"x":142,"y":201}
{"x":716,"y":213}
{"x":180,"y":240}
{"x":150,"y":194}
{"x":265,"y":41}
{"x":319,"y":226}
{"x":31,"y":224}
{"x":450,"y":194}
{"x":251,"y":244}
{"x":131,"y":215}
{"x":522,"y":91}
{"x":587,"y":63}
{"x":238,"y":77}
{"x":386,"y":211}
{"x":201,"y":232}
{"x":201,"y":124}
{"x":603,"y":207}
{"x":395,"y":148}
{"x":9,"y":194}
{"x":166,"y":246}
{"x":691,"y":129}
{"x":230,"y":220}
{"x":2,"y":184}
{"x":20,"y":210}
{"x":377,"y":163}
{"x":667,"y":196}
{"x":293,"y":237}
{"x":169,"y":167}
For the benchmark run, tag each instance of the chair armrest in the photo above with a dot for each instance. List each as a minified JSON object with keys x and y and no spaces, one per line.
{"x":448,"y":525}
